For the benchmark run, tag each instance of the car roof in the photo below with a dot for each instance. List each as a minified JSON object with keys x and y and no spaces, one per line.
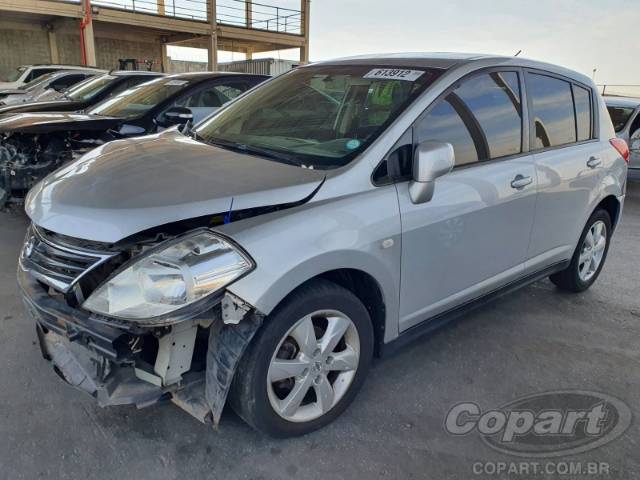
{"x":449,"y":60}
{"x":414,"y":59}
{"x":62,"y":67}
{"x":207,"y":75}
{"x":615,"y":101}
{"x":124,"y":73}
{"x":63,"y":73}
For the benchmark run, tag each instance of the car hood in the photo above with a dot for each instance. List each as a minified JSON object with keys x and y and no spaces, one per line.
{"x":55,"y":122}
{"x":58,"y":105}
{"x":128,"y":186}
{"x":11,"y":91}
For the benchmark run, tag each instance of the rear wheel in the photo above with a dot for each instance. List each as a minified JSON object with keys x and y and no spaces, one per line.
{"x":306,"y":363}
{"x":589,"y":257}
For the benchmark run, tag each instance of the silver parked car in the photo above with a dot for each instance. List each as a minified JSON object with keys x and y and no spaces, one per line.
{"x":625,"y":115}
{"x":325,"y":217}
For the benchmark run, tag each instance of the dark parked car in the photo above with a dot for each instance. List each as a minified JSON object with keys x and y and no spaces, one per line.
{"x":32,"y":145}
{"x":87,"y":93}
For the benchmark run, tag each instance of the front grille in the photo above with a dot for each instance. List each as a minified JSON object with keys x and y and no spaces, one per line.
{"x":58,"y":264}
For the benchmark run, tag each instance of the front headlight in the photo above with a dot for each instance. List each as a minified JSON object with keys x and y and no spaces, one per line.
{"x":173,"y":275}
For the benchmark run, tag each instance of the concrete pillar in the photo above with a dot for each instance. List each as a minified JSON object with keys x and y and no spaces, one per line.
{"x":305,"y":9}
{"x":212,"y":50}
{"x":249,"y":54}
{"x":53,"y":46}
{"x":166,"y":63}
{"x":90,"y":45}
{"x":248,"y":9}
{"x":161,"y":10}
{"x":212,"y":44}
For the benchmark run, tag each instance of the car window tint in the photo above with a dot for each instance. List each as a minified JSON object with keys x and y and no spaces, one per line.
{"x":552,"y":111}
{"x":38,"y":72}
{"x":619,"y":116}
{"x":68,"y":80}
{"x":213,"y":96}
{"x":229,"y":92}
{"x":582,"y":100}
{"x":444,"y":124}
{"x":492,"y":101}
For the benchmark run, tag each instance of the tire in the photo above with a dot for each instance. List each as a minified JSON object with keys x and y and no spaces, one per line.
{"x":571,"y":278}
{"x":267,"y":405}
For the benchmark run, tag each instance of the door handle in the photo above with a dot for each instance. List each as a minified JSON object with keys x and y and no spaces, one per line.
{"x":593,"y":162}
{"x":521,"y":181}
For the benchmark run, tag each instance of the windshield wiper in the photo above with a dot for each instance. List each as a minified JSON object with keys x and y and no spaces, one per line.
{"x":249,"y":149}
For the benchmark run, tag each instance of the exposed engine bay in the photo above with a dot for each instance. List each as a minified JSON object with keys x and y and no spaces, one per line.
{"x":190,"y":362}
{"x":26,"y":158}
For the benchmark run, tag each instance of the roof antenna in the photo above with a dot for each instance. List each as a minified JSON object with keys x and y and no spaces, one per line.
{"x":518,"y":53}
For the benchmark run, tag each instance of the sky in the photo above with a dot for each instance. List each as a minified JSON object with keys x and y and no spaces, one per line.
{"x":578,"y":34}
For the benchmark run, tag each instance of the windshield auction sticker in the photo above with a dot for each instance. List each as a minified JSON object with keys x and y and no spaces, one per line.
{"x":394,"y":74}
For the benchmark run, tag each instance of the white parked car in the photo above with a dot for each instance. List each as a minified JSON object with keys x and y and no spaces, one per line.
{"x":46,"y":87}
{"x":26,"y":73}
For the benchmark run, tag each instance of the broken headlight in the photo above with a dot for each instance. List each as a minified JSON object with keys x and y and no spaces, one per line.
{"x":176,"y":274}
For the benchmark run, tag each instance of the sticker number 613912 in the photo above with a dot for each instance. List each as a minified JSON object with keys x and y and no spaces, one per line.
{"x":394,"y":74}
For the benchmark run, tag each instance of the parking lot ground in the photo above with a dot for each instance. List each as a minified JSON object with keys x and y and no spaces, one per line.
{"x":534,"y":340}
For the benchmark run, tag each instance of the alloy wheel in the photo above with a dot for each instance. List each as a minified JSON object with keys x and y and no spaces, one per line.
{"x":313,"y":366}
{"x":592,"y":251}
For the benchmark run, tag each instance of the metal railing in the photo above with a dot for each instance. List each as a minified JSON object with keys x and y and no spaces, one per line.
{"x":620,"y":90}
{"x":260,"y":16}
{"x":238,"y":13}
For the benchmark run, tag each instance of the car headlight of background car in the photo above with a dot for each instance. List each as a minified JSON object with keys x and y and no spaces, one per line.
{"x":173,"y":275}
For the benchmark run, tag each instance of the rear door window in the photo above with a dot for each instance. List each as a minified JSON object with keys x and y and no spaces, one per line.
{"x":207,"y":100}
{"x":67,"y":81}
{"x":553,"y":116}
{"x":38,"y":72}
{"x":620,"y":116}
{"x":582,"y":99}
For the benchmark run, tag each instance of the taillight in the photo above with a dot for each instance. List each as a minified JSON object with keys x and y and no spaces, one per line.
{"x":621,"y":146}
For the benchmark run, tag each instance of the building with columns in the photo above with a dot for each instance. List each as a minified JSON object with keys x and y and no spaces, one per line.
{"x":101,"y":32}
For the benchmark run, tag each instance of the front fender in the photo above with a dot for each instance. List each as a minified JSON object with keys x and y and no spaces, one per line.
{"x":293,"y":246}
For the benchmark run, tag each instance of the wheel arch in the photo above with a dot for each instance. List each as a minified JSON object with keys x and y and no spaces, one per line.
{"x":611,"y":205}
{"x":368,"y":291}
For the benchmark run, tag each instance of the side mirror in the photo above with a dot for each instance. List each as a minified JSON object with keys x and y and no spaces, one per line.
{"x":430,"y":161}
{"x":178,"y":116}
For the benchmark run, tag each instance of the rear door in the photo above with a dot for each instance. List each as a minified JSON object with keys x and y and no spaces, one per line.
{"x":474,"y":234}
{"x":568,"y":161}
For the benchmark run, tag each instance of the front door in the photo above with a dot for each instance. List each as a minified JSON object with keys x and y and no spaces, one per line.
{"x":473,"y":235}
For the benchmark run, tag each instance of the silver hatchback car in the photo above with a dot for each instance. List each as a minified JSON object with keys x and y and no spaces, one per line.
{"x":328,"y":216}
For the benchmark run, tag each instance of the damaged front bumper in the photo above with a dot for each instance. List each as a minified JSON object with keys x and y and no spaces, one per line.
{"x":109,"y":362}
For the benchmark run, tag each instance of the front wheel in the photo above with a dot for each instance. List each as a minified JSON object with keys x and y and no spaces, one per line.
{"x":589,"y":257}
{"x":306,"y":363}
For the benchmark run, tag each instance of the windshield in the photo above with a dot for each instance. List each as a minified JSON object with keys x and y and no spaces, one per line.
{"x":318,"y":116}
{"x":620,"y":116}
{"x":89,"y":88}
{"x":138,"y":100}
{"x":14,"y":75}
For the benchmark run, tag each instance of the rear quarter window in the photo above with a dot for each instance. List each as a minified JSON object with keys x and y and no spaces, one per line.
{"x":553,"y":116}
{"x":582,"y":99}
